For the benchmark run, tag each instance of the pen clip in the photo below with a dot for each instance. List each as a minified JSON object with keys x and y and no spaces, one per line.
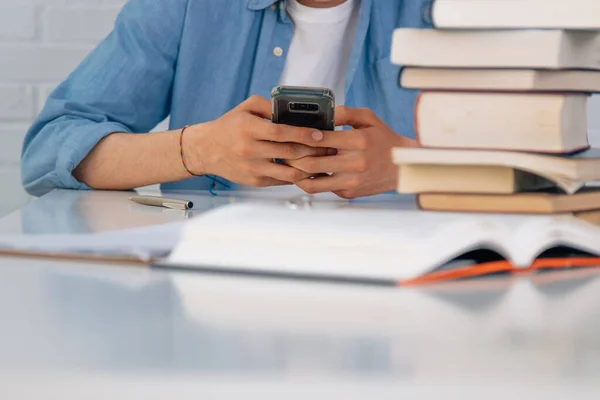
{"x":175,"y":206}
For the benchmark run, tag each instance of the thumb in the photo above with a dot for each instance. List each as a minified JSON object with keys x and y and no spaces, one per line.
{"x":258,"y":106}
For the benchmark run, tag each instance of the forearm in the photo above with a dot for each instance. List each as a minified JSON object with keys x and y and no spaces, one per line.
{"x":239,"y":146}
{"x":123,"y":161}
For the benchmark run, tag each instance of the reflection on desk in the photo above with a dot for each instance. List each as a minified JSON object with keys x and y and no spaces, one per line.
{"x":66,"y":316}
{"x":72,"y":212}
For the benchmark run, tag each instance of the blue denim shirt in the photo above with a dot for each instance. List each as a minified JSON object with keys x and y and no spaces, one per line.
{"x":195,"y":60}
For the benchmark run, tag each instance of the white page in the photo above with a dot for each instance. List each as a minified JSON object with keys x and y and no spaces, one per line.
{"x":372,"y":244}
{"x":539,"y":235}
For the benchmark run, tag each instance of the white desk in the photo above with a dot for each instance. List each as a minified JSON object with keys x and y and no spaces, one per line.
{"x":72,"y":330}
{"x":67,"y":211}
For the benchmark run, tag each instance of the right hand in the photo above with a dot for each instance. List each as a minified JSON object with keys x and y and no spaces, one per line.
{"x":240,"y":146}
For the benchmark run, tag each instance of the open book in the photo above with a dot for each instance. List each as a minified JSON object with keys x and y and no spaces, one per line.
{"x":370,"y":245}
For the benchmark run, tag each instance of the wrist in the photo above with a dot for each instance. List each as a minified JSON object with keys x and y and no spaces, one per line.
{"x":191,"y":150}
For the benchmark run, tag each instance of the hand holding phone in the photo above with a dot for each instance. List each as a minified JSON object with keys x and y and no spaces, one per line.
{"x":307,"y":107}
{"x":304,"y":106}
{"x":240,"y":146}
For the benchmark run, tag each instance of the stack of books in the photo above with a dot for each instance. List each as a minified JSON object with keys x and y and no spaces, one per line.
{"x":502,"y":113}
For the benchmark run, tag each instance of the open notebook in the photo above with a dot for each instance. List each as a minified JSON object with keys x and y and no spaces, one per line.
{"x":372,"y":245}
{"x":136,"y":245}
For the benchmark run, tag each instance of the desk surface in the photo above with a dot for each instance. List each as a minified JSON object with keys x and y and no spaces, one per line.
{"x":70,"y":328}
{"x":67,"y":211}
{"x":123,"y":326}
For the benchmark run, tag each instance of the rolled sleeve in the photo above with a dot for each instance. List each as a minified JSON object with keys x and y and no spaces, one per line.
{"x":124,"y":85}
{"x":74,"y":151}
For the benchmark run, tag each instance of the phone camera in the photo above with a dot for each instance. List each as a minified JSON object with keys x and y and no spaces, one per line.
{"x":304,"y":107}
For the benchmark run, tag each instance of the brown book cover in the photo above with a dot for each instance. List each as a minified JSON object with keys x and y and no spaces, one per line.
{"x":500,"y":80}
{"x":552,"y":202}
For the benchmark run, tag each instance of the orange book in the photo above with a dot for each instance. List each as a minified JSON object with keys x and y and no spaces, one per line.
{"x":497,"y":267}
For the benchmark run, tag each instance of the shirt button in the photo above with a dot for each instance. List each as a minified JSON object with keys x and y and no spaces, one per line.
{"x":277,"y":51}
{"x":273,"y":6}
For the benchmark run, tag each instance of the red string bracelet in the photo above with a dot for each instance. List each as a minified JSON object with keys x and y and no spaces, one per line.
{"x":181,"y":152}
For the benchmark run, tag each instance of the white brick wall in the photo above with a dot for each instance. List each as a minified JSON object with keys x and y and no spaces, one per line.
{"x":41,"y":41}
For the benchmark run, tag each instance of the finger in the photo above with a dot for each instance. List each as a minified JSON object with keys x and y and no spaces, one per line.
{"x":352,"y":139}
{"x":268,"y":182}
{"x":263,"y":182}
{"x":355,"y":117}
{"x":321,"y":165}
{"x":282,"y":173}
{"x":258,"y":106}
{"x":265,"y":130}
{"x":288,"y":151}
{"x":325,"y":184}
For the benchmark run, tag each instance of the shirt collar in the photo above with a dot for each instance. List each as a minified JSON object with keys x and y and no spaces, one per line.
{"x":260,"y":4}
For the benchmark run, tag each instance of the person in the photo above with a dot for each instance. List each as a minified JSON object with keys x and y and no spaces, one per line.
{"x":210,"y":65}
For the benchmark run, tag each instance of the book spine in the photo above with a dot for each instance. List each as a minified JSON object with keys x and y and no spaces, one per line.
{"x":545,"y":152}
{"x":400,"y":76}
{"x":416,"y":118}
{"x":505,"y":92}
{"x":429,"y":13}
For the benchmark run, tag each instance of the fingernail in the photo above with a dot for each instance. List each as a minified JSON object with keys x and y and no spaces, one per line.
{"x":317,"y":135}
{"x":332,"y":152}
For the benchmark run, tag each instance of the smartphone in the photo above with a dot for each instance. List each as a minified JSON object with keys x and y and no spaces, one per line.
{"x":308,"y":107}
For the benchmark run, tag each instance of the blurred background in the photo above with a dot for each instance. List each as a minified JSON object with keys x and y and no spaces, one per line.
{"x":41,"y":41}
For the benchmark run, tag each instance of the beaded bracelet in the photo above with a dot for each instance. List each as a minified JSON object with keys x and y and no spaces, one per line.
{"x":181,"y":152}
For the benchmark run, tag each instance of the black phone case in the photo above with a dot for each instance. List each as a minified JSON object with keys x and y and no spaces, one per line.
{"x":323,"y":119}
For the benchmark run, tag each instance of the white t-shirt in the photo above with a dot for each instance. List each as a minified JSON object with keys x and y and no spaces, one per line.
{"x":320,"y":50}
{"x":319,"y":54}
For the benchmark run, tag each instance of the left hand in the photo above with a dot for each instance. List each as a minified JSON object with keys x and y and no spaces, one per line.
{"x":363,"y":165}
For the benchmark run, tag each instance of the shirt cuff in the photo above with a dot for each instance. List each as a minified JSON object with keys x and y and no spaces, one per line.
{"x":78,"y":147}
